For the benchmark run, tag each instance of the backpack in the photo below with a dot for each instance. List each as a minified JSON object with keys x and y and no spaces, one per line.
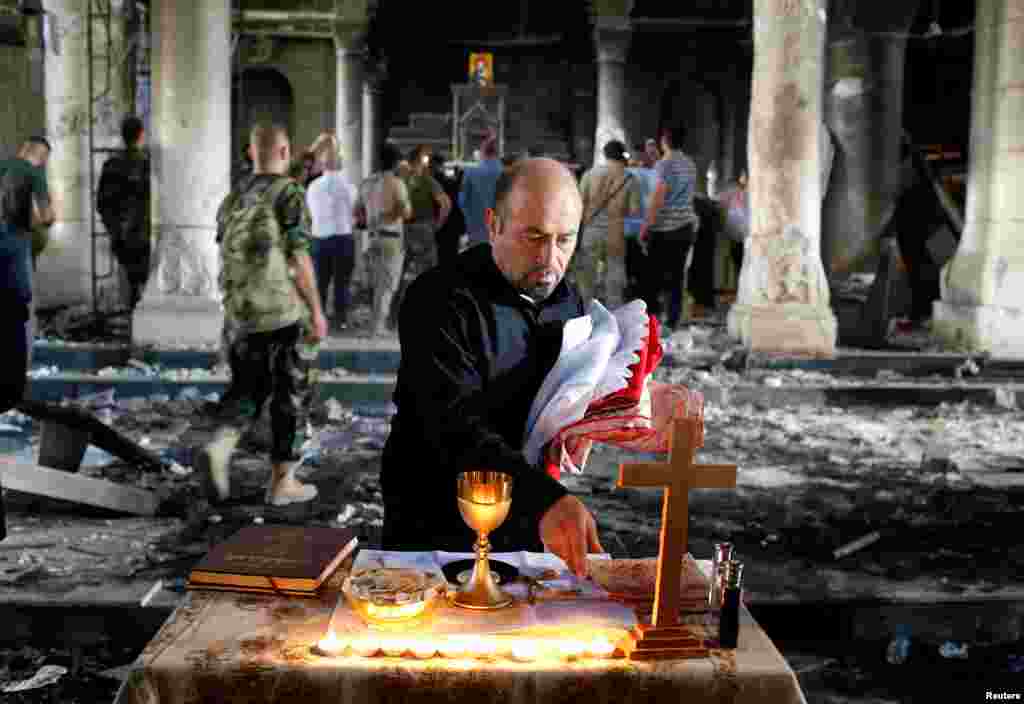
{"x":255,"y":278}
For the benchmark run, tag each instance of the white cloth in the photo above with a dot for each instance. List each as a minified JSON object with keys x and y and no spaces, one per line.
{"x":597,"y":351}
{"x":331,"y":199}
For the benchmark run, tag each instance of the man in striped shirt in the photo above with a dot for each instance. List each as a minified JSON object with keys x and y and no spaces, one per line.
{"x":671,"y":226}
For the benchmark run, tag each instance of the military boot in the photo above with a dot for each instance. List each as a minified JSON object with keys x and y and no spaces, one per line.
{"x":214,"y":461}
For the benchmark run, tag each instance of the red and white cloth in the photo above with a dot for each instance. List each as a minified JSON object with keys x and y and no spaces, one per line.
{"x":601,"y":390}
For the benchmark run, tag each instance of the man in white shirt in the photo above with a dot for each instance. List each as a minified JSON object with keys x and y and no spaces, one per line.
{"x":331,"y":199}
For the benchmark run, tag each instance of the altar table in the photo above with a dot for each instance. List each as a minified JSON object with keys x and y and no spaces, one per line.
{"x":230,"y":647}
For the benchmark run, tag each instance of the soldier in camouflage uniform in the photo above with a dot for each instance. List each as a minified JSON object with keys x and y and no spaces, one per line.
{"x":271,"y":297}
{"x":123,"y":205}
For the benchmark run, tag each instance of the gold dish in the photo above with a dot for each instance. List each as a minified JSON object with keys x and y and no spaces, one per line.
{"x":393,"y":596}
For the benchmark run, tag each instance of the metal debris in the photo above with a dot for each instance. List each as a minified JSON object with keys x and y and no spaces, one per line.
{"x":855,"y":545}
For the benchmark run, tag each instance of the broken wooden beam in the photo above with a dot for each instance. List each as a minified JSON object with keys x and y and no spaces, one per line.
{"x":57,"y":484}
{"x":100,"y":434}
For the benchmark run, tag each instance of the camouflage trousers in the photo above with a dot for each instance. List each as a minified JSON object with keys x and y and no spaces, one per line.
{"x":270,"y":365}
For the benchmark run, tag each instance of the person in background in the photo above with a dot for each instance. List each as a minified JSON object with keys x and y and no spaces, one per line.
{"x":123,"y":204}
{"x":670,"y":228}
{"x":331,"y":200}
{"x":642,"y":169}
{"x":735,"y":204}
{"x":651,"y":153}
{"x":311,"y":167}
{"x":478,"y":188}
{"x":384,"y":206}
{"x":449,"y":235}
{"x":609,"y":194}
{"x":25,"y":203}
{"x":430,"y":209}
{"x":269,"y":291}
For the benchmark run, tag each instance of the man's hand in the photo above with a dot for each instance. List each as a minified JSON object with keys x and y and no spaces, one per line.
{"x":319,"y":328}
{"x":569,"y":531}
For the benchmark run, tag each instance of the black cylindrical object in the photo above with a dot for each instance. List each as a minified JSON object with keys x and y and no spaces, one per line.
{"x":729,"y":619}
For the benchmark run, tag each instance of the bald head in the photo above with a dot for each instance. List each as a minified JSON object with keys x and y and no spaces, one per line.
{"x":270,"y":149}
{"x":533,"y":228}
{"x":535,"y":176}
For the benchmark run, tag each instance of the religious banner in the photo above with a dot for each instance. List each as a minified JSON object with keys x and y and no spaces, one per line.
{"x":481,"y":68}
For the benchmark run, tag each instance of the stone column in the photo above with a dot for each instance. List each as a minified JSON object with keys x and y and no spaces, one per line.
{"x":783,"y":302}
{"x":191,"y":150}
{"x":373,"y":89}
{"x":349,"y":106}
{"x":982,"y":306}
{"x":612,"y":44}
{"x":864,"y":111}
{"x":65,"y":270}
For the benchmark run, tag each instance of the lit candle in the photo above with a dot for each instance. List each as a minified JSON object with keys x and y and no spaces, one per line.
{"x":393,"y":647}
{"x":454,"y":647}
{"x":367,"y":647}
{"x":524,"y":651}
{"x":601,"y":648}
{"x":571,"y":649}
{"x":485,"y":648}
{"x":331,"y":645}
{"x":424,"y":650}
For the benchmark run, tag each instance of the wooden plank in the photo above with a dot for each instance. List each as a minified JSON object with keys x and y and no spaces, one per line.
{"x":646,"y":631}
{"x":714,"y":476}
{"x":100,"y":434}
{"x":644,"y":475}
{"x":57,"y":484}
{"x":669,"y":643}
{"x":669,"y":654}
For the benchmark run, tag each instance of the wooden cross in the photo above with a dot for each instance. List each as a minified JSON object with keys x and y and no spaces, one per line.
{"x":677,"y":477}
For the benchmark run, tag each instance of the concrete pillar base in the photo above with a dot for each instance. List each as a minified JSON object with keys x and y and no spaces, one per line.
{"x":784,"y":329}
{"x":64,"y":276}
{"x":172,"y":321}
{"x":997,"y":330}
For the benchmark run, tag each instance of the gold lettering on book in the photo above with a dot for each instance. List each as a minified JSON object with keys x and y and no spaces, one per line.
{"x":260,"y":559}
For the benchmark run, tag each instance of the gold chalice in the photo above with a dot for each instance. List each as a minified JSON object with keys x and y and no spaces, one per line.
{"x":484,"y":499}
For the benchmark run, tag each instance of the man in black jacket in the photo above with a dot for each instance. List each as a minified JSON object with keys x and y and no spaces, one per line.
{"x":478,"y":337}
{"x":123,"y":204}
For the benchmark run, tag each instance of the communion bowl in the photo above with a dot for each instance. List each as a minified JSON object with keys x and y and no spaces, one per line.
{"x":393,"y":596}
{"x":484,"y":498}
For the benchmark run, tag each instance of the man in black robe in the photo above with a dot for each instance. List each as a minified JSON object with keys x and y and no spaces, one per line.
{"x":477,"y":340}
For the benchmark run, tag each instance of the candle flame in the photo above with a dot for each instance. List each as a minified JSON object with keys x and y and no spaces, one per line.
{"x":525,"y":650}
{"x":330,"y":644}
{"x":572,"y":649}
{"x":367,"y":647}
{"x":601,"y":648}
